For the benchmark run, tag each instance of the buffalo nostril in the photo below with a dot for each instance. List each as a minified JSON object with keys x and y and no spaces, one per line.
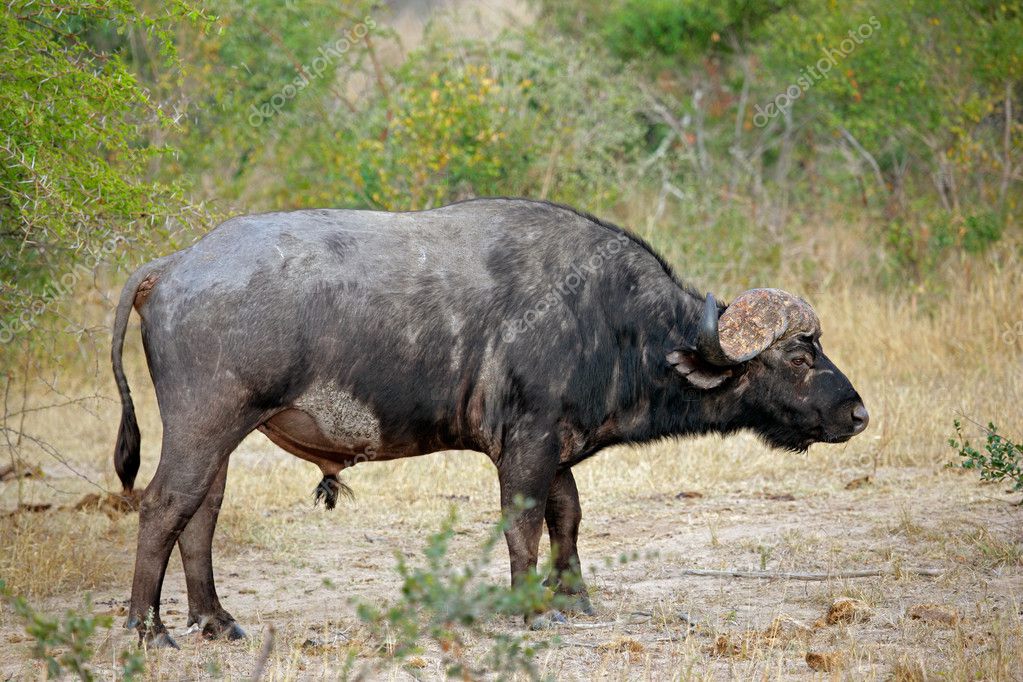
{"x":860,"y":417}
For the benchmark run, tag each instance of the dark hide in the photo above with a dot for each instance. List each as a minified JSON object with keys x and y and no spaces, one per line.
{"x":525,"y":330}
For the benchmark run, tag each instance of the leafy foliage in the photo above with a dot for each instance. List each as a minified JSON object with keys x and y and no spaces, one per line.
{"x":681,"y":30}
{"x":108,"y":109}
{"x":64,"y":644}
{"x":77,"y":136}
{"x":446,"y":604}
{"x":477,"y":118}
{"x":272,"y":66}
{"x":1001,"y":459}
{"x":444,"y":132}
{"x":666,"y":31}
{"x":867,"y":104}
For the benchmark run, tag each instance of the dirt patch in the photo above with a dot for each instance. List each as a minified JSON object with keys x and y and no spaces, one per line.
{"x":299,"y":568}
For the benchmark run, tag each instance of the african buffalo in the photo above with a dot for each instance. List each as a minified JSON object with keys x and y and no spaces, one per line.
{"x":525,"y":330}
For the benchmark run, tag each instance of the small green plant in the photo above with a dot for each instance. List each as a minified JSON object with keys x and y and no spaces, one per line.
{"x":765,"y":556}
{"x":63,"y":644}
{"x":1002,"y":459}
{"x":450,"y":605}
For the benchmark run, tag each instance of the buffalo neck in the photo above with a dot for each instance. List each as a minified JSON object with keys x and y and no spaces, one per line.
{"x":659,"y":403}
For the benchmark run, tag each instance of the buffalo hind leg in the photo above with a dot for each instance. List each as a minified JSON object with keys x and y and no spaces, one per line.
{"x":196,"y":546}
{"x":190,"y":462}
{"x":563,"y":514}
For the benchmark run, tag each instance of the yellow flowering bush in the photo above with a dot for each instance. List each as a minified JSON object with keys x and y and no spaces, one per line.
{"x":442,"y":135}
{"x":516,"y":116}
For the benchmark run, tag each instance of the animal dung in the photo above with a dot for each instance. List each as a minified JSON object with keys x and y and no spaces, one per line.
{"x":622,"y":645}
{"x":111,"y":504}
{"x":847,"y":610}
{"x":861,"y":482}
{"x":785,"y":629}
{"x":935,"y":614}
{"x":737,"y":646}
{"x":825,"y":661}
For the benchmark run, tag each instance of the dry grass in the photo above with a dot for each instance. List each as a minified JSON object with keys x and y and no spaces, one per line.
{"x":278,"y":558}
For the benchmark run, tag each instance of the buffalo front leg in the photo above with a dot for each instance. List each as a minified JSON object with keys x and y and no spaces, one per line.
{"x":525,"y":476}
{"x":196,"y":546}
{"x":563,"y":515}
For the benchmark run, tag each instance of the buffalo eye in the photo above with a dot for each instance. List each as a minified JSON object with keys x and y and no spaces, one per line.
{"x":800,"y":361}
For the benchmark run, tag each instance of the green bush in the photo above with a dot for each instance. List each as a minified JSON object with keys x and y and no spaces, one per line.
{"x":1001,"y":459}
{"x":64,"y":644}
{"x":666,"y":31}
{"x":665,"y":27}
{"x":981,"y":230}
{"x":682,"y":29}
{"x":77,"y":138}
{"x":814,"y":104}
{"x":445,"y":133}
{"x":270,"y":65}
{"x":518,"y":115}
{"x":921,"y":248}
{"x":449,"y":605}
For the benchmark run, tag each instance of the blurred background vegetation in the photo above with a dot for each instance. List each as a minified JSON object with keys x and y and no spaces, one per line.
{"x":754,"y":141}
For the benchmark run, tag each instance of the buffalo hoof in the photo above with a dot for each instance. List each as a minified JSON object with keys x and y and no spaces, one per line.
{"x":548,"y":620}
{"x":161,"y":640}
{"x":233,"y":632}
{"x":155,"y":637}
{"x":220,"y":626}
{"x":576,"y":603}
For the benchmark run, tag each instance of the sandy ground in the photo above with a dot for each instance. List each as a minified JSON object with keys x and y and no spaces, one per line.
{"x":299,"y":568}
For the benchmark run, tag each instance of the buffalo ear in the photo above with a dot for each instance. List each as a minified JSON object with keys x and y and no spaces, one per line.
{"x":696,"y":370}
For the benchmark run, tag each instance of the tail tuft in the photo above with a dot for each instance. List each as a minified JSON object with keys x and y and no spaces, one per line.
{"x":127,"y":451}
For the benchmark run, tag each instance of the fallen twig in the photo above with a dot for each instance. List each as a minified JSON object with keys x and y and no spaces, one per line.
{"x":780,"y":575}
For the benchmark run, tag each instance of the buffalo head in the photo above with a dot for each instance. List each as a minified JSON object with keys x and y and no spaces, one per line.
{"x":762,"y":355}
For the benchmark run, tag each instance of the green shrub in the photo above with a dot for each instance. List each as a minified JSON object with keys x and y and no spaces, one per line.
{"x":449,"y":605}
{"x":517,"y":115}
{"x":670,"y":31}
{"x":1001,"y":459}
{"x":64,"y":644}
{"x":919,"y":247}
{"x":981,"y":230}
{"x":445,"y":132}
{"x":268,"y":65}
{"x":77,"y":138}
